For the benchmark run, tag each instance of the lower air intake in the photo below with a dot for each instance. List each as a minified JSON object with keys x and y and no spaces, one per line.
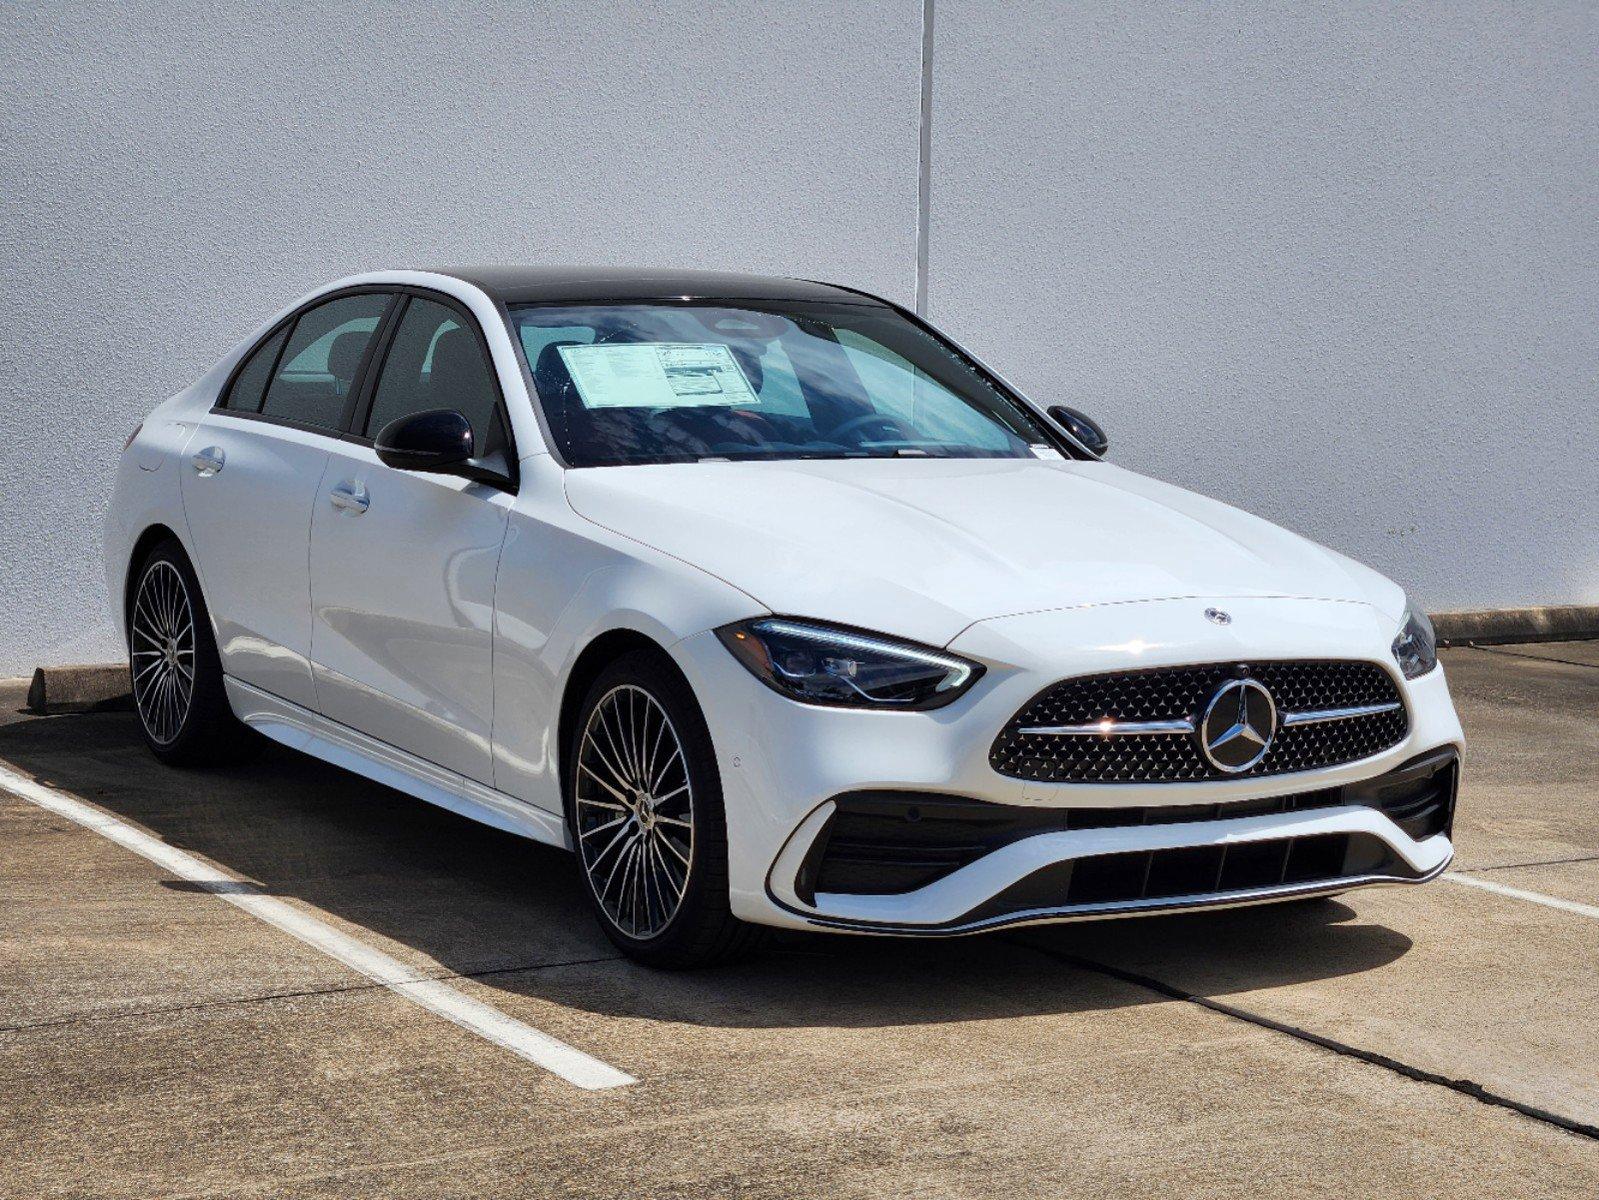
{"x":1199,"y":871}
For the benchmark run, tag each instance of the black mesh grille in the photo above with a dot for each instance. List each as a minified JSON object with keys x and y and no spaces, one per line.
{"x":1182,"y":693}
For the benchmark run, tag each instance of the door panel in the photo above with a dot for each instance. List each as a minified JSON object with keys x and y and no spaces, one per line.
{"x":248,"y":487}
{"x":402,"y":589}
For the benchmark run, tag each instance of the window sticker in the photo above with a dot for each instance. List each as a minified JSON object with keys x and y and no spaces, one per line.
{"x":657,"y":375}
{"x":1047,"y":453}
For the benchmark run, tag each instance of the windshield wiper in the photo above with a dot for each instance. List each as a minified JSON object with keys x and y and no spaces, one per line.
{"x":828,"y":455}
{"x":777,"y":456}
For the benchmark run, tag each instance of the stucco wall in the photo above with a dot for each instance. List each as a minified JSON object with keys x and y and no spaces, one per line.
{"x":1337,"y":264}
{"x":1338,"y":268}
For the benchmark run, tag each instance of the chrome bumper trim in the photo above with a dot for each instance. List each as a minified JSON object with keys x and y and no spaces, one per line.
{"x":1138,"y":908}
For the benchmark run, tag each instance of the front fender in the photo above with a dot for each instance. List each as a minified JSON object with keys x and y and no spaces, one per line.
{"x":563,"y":582}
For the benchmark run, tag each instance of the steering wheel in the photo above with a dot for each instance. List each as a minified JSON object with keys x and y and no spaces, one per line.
{"x":866,"y":420}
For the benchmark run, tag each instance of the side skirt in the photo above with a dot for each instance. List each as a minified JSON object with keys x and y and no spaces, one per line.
{"x":300,"y":729}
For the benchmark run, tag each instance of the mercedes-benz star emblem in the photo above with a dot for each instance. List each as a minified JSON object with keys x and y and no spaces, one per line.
{"x":1216,"y":617}
{"x":1238,"y":725}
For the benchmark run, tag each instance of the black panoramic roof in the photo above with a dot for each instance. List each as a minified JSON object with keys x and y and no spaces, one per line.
{"x":512,"y":285}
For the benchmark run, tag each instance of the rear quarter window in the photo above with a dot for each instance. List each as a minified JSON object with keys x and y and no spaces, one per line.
{"x":249,"y":385}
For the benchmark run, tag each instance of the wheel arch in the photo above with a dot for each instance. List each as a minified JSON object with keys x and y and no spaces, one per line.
{"x":147,"y":541}
{"x":600,"y":653}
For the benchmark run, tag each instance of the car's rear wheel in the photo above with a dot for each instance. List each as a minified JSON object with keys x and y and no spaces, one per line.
{"x":175,"y":670}
{"x":645,"y":804}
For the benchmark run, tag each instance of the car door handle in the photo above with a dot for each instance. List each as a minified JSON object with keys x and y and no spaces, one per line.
{"x":350,"y":497}
{"x":209,"y":461}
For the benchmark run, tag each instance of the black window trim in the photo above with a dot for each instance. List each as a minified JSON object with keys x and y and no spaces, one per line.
{"x":361,"y":410}
{"x":535,"y":401}
{"x":358,"y":406}
{"x":357,"y":385}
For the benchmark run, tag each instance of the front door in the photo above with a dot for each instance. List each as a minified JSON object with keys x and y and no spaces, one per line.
{"x":403,"y":564}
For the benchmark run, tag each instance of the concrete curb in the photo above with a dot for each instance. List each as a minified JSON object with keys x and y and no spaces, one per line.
{"x":79,"y":689}
{"x":1555,"y":623}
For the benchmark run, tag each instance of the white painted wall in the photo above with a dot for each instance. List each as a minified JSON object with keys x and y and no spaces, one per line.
{"x":1337,"y":264}
{"x":1339,"y":268}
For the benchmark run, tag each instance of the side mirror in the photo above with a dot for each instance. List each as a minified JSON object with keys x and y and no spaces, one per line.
{"x":439,"y":441}
{"x":1082,"y":427}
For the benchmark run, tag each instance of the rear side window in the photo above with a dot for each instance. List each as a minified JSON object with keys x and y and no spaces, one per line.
{"x":437,"y":361}
{"x":319,"y":364}
{"x":249,"y":385}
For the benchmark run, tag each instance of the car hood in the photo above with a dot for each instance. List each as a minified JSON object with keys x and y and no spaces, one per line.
{"x":923,"y":548}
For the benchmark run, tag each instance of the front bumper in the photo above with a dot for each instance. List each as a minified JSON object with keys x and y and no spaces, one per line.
{"x":899,"y":862}
{"x":784,"y":764}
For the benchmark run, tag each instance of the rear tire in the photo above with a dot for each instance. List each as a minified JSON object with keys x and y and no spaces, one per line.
{"x":174,"y":668}
{"x":644,"y":803}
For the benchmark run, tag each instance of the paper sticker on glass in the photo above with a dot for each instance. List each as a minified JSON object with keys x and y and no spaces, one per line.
{"x":656,"y":375}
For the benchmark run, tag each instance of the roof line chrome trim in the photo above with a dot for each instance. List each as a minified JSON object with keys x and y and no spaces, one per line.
{"x":1316,"y":716}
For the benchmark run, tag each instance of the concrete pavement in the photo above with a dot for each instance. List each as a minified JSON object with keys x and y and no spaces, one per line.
{"x":155,"y":1041}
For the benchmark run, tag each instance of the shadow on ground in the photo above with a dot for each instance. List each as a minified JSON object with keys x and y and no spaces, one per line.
{"x":511,"y":913}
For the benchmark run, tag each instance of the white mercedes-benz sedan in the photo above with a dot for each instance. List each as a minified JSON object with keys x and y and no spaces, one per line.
{"x":772,"y":603}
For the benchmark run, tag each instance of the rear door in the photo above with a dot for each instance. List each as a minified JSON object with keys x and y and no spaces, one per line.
{"x":403,"y":564}
{"x":250,"y":476}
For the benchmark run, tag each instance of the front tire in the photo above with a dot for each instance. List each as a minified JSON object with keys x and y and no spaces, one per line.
{"x":174,"y":668}
{"x":644,"y":800}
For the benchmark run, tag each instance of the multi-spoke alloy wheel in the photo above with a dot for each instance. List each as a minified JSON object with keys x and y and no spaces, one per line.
{"x":162,"y":647}
{"x":635,"y":811}
{"x":178,"y":685}
{"x":644,"y":804}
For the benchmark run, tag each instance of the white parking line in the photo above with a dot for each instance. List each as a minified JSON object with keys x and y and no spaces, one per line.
{"x":482,"y":1019}
{"x":1487,"y":885}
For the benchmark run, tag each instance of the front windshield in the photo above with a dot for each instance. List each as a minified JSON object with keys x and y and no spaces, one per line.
{"x":684,"y":382}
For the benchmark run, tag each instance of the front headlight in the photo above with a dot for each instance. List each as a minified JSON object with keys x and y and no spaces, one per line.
{"x":819,"y":664}
{"x":1416,"y":647}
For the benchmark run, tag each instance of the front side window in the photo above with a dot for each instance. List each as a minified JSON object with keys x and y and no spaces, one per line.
{"x":437,"y":361}
{"x":641,"y":383}
{"x":318,"y":366}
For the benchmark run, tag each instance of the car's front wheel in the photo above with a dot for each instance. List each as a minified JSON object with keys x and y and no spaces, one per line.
{"x":645,"y":804}
{"x":175,"y":669}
